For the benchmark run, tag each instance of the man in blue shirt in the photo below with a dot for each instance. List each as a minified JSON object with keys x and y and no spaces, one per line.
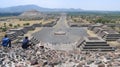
{"x":6,"y":41}
{"x":25,"y":43}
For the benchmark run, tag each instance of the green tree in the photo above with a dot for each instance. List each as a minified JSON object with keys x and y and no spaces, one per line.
{"x":75,"y":20}
{"x":18,"y":25}
{"x":10,"y":25}
{"x":5,"y":25}
{"x":27,"y":23}
{"x":4,"y":29}
{"x":15,"y":26}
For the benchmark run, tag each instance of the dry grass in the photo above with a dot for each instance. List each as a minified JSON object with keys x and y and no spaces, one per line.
{"x":2,"y":35}
{"x":15,"y":22}
{"x":91,"y":33}
{"x":80,"y":20}
{"x":114,"y":43}
{"x":21,"y":23}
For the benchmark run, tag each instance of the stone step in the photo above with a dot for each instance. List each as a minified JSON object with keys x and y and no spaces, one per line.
{"x":12,"y":35}
{"x":34,"y":41}
{"x":98,"y":47}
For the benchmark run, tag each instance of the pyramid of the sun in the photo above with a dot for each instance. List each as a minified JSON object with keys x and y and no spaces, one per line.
{"x":32,"y":13}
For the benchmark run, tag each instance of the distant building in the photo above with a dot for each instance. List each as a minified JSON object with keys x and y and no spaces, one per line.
{"x":32,"y":14}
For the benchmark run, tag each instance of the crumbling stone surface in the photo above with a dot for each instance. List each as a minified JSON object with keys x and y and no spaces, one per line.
{"x":47,"y":57}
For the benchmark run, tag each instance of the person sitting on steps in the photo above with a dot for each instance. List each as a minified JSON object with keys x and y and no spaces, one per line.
{"x":6,"y":41}
{"x":25,"y":43}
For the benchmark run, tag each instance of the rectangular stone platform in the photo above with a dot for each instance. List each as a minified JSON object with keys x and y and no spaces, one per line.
{"x":99,"y":29}
{"x":95,"y":44}
{"x":106,"y":33}
{"x":29,"y":28}
{"x":100,"y":32}
{"x":73,"y":24}
{"x":19,"y":31}
{"x":91,"y":27}
{"x":37,"y":25}
{"x":51,"y":24}
{"x":12,"y":35}
{"x":111,"y":35}
{"x":96,"y":29}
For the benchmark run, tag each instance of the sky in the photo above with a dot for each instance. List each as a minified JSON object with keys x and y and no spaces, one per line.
{"x":110,"y":5}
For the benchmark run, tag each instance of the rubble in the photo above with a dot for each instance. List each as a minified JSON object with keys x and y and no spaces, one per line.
{"x":41,"y":56}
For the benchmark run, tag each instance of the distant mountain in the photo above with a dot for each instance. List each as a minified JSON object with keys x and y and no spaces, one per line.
{"x":23,"y":8}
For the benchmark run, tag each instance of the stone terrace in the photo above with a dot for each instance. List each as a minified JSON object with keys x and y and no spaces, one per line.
{"x":95,"y":44}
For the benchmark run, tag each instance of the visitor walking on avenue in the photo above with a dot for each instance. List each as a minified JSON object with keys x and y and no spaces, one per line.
{"x":6,"y":42}
{"x":25,"y":43}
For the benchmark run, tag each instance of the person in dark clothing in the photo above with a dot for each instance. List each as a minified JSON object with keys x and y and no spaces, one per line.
{"x":6,"y":42}
{"x":25,"y":43}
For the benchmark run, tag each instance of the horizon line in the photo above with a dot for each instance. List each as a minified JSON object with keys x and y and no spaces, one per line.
{"x":55,"y":8}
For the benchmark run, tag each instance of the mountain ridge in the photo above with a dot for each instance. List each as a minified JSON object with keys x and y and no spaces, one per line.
{"x":23,"y":8}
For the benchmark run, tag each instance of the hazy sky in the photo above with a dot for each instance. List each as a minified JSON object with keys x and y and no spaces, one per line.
{"x":83,"y":4}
